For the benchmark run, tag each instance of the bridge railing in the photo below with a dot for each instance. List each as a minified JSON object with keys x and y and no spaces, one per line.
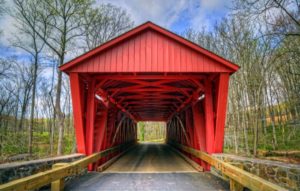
{"x":239,"y":178}
{"x":56,"y":175}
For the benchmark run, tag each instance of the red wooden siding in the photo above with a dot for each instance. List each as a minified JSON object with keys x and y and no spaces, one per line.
{"x":149,"y":74}
{"x":150,"y":51}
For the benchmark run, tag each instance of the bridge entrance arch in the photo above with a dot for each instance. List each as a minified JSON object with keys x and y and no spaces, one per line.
{"x":149,"y":74}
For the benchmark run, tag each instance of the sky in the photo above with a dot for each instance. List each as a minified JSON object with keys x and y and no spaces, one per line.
{"x":175,"y":15}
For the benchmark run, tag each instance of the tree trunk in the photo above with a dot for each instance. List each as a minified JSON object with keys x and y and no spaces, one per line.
{"x":142,"y":131}
{"x":59,"y":114}
{"x":23,"y":110}
{"x":30,"y":133}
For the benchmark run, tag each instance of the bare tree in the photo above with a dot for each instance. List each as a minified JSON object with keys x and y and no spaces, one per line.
{"x":59,"y":24}
{"x":2,"y":9}
{"x":280,"y":17}
{"x":27,"y":39}
{"x":4,"y":67}
{"x":104,"y":23}
{"x":252,"y":93}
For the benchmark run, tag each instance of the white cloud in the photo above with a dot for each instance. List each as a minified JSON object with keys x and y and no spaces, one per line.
{"x":197,"y":13}
{"x":212,"y":4}
{"x":7,"y":25}
{"x":208,"y":12}
{"x":164,"y":13}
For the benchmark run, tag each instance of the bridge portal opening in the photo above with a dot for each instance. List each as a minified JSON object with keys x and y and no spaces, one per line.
{"x":149,"y":74}
{"x":151,"y":131}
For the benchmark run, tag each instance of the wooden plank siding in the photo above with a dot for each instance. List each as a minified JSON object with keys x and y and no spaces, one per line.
{"x":150,"y":51}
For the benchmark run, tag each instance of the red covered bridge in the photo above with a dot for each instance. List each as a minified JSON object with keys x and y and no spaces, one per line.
{"x":147,"y":74}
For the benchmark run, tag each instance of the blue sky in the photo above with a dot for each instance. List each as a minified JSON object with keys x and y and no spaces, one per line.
{"x":175,"y":15}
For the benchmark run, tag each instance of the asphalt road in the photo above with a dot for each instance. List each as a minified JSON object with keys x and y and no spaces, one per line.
{"x":148,"y":167}
{"x":150,"y":158}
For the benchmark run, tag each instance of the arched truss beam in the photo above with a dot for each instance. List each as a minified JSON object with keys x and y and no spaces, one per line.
{"x":136,"y":95}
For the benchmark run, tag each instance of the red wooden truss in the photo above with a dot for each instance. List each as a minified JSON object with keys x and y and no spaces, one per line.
{"x":149,"y":74}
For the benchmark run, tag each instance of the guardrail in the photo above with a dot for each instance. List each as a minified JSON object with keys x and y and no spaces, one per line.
{"x":238,"y":177}
{"x":59,"y":171}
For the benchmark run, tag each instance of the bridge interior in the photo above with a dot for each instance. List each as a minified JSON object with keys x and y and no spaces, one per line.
{"x":107,"y":108}
{"x":149,"y":74}
{"x":148,"y":166}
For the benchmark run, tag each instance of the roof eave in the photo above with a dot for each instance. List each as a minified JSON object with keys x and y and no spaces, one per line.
{"x":65,"y":67}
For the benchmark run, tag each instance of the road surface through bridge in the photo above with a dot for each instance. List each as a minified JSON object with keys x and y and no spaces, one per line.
{"x":149,"y":166}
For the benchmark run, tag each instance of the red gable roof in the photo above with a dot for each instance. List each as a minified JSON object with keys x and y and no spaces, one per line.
{"x":207,"y":62}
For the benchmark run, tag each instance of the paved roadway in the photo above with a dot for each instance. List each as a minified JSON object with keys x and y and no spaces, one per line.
{"x":148,"y":167}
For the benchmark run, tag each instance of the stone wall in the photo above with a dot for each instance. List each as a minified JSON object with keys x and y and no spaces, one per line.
{"x":283,"y":174}
{"x":16,"y":170}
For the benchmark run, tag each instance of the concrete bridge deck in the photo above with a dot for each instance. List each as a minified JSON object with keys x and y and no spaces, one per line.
{"x":148,"y":167}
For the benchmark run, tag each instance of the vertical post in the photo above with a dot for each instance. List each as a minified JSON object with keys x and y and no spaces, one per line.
{"x":235,"y":186}
{"x":135,"y":131}
{"x":77,"y":102}
{"x":90,"y":120}
{"x":199,"y":130}
{"x":167,"y":131}
{"x":101,"y":132}
{"x":209,"y":117}
{"x":221,"y":104}
{"x":189,"y":128}
{"x":58,"y":185}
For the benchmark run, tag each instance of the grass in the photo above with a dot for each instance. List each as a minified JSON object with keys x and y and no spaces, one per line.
{"x":14,"y":144}
{"x":287,"y":140}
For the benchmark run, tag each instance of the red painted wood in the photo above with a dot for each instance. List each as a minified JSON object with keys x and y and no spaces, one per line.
{"x":221,"y":104}
{"x":76,"y":92}
{"x":189,"y":129}
{"x":101,"y":132}
{"x":199,"y":130}
{"x":144,"y":39}
{"x":146,"y":56}
{"x":190,"y":125}
{"x":149,"y":74}
{"x":90,"y":122}
{"x":209,"y":117}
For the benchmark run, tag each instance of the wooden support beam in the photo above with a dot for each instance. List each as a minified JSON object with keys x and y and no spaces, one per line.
{"x":199,"y":130}
{"x":235,"y":186}
{"x":118,"y":129}
{"x":209,"y":117}
{"x":113,"y":101}
{"x":99,"y":139}
{"x":90,"y":122}
{"x":221,"y":104}
{"x":194,"y":96}
{"x":183,"y":130}
{"x":90,"y":116}
{"x":189,"y":126}
{"x":58,"y":185}
{"x":77,"y":102}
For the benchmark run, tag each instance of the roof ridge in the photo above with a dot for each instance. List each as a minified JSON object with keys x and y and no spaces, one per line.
{"x":138,"y":30}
